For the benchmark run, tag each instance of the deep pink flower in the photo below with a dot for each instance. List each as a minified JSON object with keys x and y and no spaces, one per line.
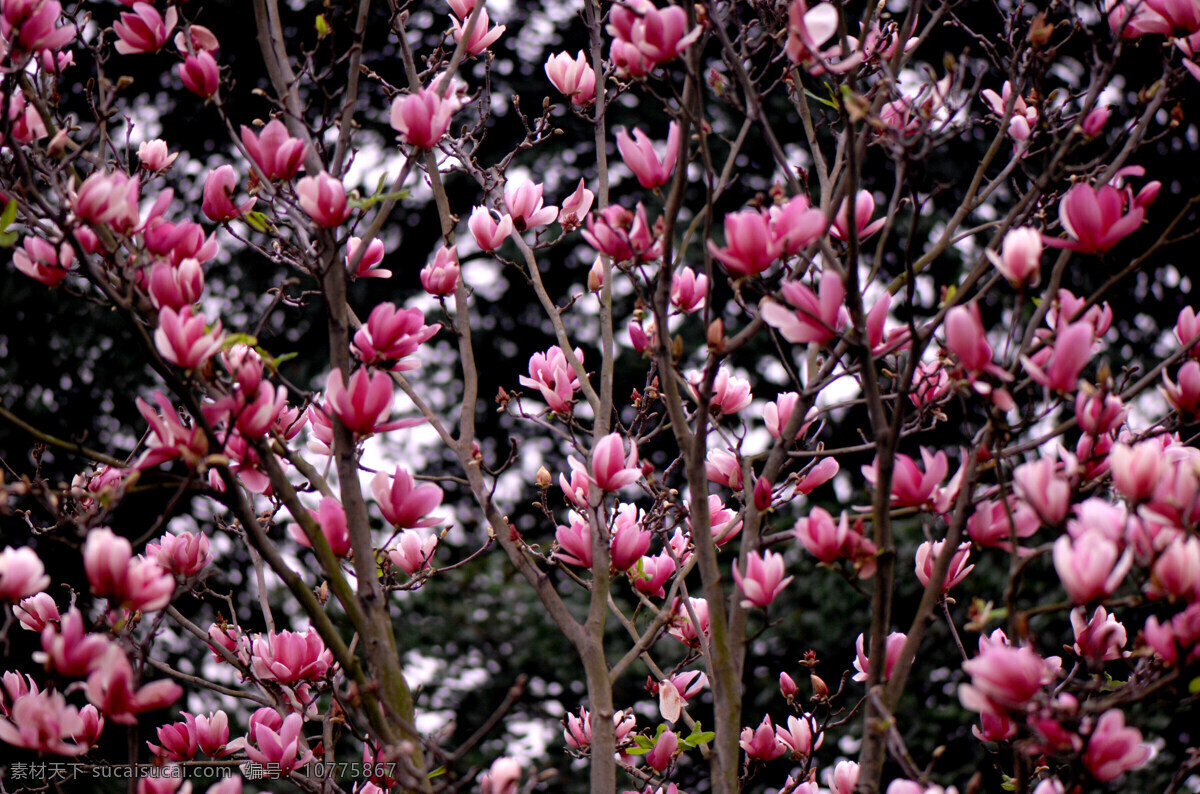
{"x":750,"y":247}
{"x":178,"y":741}
{"x":323,"y":198}
{"x":927,"y":554}
{"x":629,"y":539}
{"x":200,"y":74}
{"x":331,"y":518}
{"x":651,"y":170}
{"x":813,"y":317}
{"x":554,"y":377}
{"x":611,"y":471}
{"x":69,"y":649}
{"x":1003,"y":678}
{"x":185,"y":554}
{"x":481,"y":37}
{"x":43,"y":261}
{"x":111,"y":688}
{"x":289,"y":657}
{"x":403,"y":503}
{"x":283,"y":748}
{"x":274,"y":151}
{"x":218,"y":204}
{"x":391,"y":335}
{"x":864,"y":208}
{"x":645,"y":36}
{"x":862,"y":662}
{"x":489,"y":233}
{"x":108,"y":199}
{"x":370,"y":258}
{"x":1100,"y":639}
{"x":37,"y":611}
{"x":761,"y":743}
{"x":689,"y":291}
{"x":440,"y":277}
{"x":575,"y":543}
{"x":1113,"y":749}
{"x":524,"y":204}
{"x":176,"y":286}
{"x":422,"y":118}
{"x":763,"y":580}
{"x":366,"y":403}
{"x":1096,"y":218}
{"x":184,"y":339}
{"x":144,"y":30}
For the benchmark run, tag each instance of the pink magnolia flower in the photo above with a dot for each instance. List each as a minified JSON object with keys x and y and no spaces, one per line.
{"x":629,"y":539}
{"x":106,"y":558}
{"x":502,"y":777}
{"x":681,"y":626}
{"x":812,"y":318}
{"x":664,"y":750}
{"x":524,"y":204}
{"x":289,"y":657}
{"x":573,"y":77}
{"x":1176,"y":572}
{"x":1004,"y":678}
{"x":650,"y":574}
{"x":862,"y":663}
{"x":212,"y":733}
{"x":967,"y":340}
{"x":575,"y":543}
{"x":481,"y":37}
{"x":808,"y":30}
{"x":927,"y":554}
{"x":43,"y":722}
{"x":176,"y":286}
{"x":554,"y":377}
{"x":912,"y":487}
{"x":864,"y":208}
{"x":763,"y":580}
{"x":178,"y":741}
{"x":730,"y":394}
{"x":179,"y":241}
{"x":422,"y":118}
{"x":650,"y":170}
{"x":21,"y":574}
{"x":1090,"y":566}
{"x":93,"y":726}
{"x":331,"y":518}
{"x":371,"y":257}
{"x":200,"y":74}
{"x":1113,"y":749}
{"x":578,"y":730}
{"x":404,"y":504}
{"x":185,"y":554}
{"x":440,"y":277}
{"x":645,"y":36}
{"x":218,"y":204}
{"x":170,"y":437}
{"x":750,"y":246}
{"x":1136,"y":470}
{"x":796,"y":225}
{"x":723,"y":468}
{"x":611,"y":471}
{"x":843,"y":778}
{"x":391,"y":335}
{"x":283,"y":748}
{"x":1183,"y":396}
{"x":689,"y":291}
{"x":365,"y":404}
{"x":37,"y":611}
{"x":1020,"y":256}
{"x":197,"y":37}
{"x":824,"y":538}
{"x":108,"y":199}
{"x":1045,"y":488}
{"x":1100,"y":639}
{"x":323,"y":198}
{"x":1058,"y":368}
{"x":1097,"y":218}
{"x":34,"y":22}
{"x":1097,"y":412}
{"x":185,"y":340}
{"x":575,"y":207}
{"x":410,"y":553}
{"x":43,"y":261}
{"x":1093,"y":123}
{"x":761,"y":743}
{"x":995,"y":523}
{"x":801,"y":735}
{"x":231,"y":639}
{"x":488,"y":233}
{"x":69,"y":649}
{"x":154,"y":155}
{"x":112,"y":688}
{"x":274,"y":151}
{"x":144,"y":30}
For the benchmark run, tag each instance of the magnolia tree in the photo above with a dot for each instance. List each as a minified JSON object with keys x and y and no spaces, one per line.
{"x":843,"y":369}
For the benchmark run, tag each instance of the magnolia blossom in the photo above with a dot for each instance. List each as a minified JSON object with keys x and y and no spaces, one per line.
{"x":927,"y":554}
{"x":554,"y":378}
{"x":422,"y":118}
{"x":481,"y":38}
{"x":573,"y":77}
{"x":639,"y":154}
{"x":813,"y":317}
{"x":524,"y":203}
{"x":274,"y":151}
{"x":21,"y":574}
{"x":763,"y":580}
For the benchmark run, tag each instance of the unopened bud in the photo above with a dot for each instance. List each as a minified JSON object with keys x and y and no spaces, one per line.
{"x":1040,"y":31}
{"x":596,"y":276}
{"x":543,"y":478}
{"x":716,"y":335}
{"x":787,"y":686}
{"x":762,"y":494}
{"x":820,"y":688}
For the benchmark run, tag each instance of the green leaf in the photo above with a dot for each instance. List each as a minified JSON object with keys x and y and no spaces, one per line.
{"x":239,"y":339}
{"x":8,"y":239}
{"x":441,"y":770}
{"x":1194,"y":686}
{"x":697,"y":739}
{"x":376,"y":198}
{"x":275,"y":362}
{"x":322,"y":27}
{"x":636,"y":750}
{"x":257,"y":221}
{"x":9,"y":215}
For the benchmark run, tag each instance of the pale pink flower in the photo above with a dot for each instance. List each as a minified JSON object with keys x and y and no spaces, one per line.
{"x":611,"y":470}
{"x":21,"y":574}
{"x":44,"y":261}
{"x":1100,"y":639}
{"x":554,"y":377}
{"x":489,"y":233}
{"x":144,"y":30}
{"x":1020,"y":256}
{"x":112,"y":689}
{"x":218,"y":204}
{"x":410,"y":553}
{"x":761,"y":743}
{"x":323,"y":198}
{"x":524,"y":204}
{"x":440,"y":277}
{"x":185,"y":554}
{"x":864,"y":208}
{"x":481,"y":37}
{"x":812,"y":318}
{"x":331,"y":519}
{"x":573,"y":77}
{"x":37,"y":611}
{"x":689,"y":291}
{"x":1090,"y":566}
{"x":154,"y":155}
{"x":927,"y":554}
{"x":369,"y":260}
{"x":1113,"y":749}
{"x":283,"y":748}
{"x":862,"y":662}
{"x":575,"y":207}
{"x":43,"y":722}
{"x":763,"y":580}
{"x":422,"y":118}
{"x":404,"y":504}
